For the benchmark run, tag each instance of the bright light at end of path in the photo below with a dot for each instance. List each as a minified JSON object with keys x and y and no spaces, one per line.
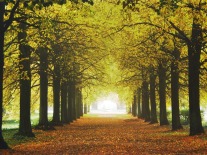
{"x":108,"y":105}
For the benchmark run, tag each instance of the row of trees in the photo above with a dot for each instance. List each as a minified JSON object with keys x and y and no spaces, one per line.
{"x":48,"y":50}
{"x":60,"y":51}
{"x":171,"y":45}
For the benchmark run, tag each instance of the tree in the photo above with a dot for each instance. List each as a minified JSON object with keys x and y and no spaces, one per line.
{"x":4,"y":24}
{"x":194,"y":40}
{"x":43,"y":72}
{"x":170,"y":17}
{"x":153,"y":96}
{"x":25,"y":127}
{"x":134,"y":106}
{"x":70,"y":101}
{"x":162,"y":92}
{"x":3,"y":144}
{"x":194,"y":53}
{"x":138,"y":102}
{"x":56,"y":94}
{"x":145,"y":101}
{"x":175,"y":91}
{"x":64,"y":108}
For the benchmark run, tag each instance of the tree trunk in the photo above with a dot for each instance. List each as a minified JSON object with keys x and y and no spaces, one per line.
{"x":85,"y":109}
{"x":194,"y":52}
{"x":74,"y":112}
{"x":43,"y":112}
{"x":153,"y":98}
{"x":77,"y":100}
{"x":3,"y":144}
{"x":70,"y":103}
{"x":25,"y":128}
{"x":146,"y":101}
{"x":162,"y":94}
{"x":176,"y":125}
{"x":56,"y":95}
{"x":135,"y":105}
{"x":80,"y":106}
{"x":139,"y":102}
{"x":143,"y":114}
{"x":64,"y":108}
{"x":81,"y":103}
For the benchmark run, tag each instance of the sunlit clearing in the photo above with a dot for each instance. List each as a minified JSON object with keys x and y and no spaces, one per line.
{"x":108,"y":105}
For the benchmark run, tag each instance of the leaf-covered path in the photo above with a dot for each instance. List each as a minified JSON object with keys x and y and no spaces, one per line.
{"x":112,"y":134}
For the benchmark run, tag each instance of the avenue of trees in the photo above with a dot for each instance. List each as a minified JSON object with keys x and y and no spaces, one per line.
{"x":169,"y":54}
{"x":63,"y":54}
{"x":46,"y":52}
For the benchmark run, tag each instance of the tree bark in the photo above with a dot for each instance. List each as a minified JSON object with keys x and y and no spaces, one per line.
{"x":25,"y":128}
{"x":70,"y":103}
{"x":85,"y":109}
{"x":77,"y":101}
{"x":153,"y":97}
{"x":162,"y":94}
{"x":3,"y":144}
{"x":194,"y":52}
{"x":143,"y":114}
{"x":145,"y":101}
{"x":64,"y":107}
{"x":139,"y":102}
{"x":176,"y":125}
{"x":80,"y":106}
{"x":43,"y":112}
{"x":135,"y":105}
{"x":74,"y":111}
{"x":56,"y":95}
{"x":81,"y":103}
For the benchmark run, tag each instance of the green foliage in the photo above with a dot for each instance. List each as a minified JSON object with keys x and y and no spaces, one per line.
{"x":104,"y":47}
{"x":12,"y":122}
{"x":184,"y":116}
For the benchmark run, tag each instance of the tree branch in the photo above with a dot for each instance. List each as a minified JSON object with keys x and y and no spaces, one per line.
{"x":8,"y":22}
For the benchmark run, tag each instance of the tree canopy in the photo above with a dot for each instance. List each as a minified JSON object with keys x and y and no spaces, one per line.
{"x":154,"y":48}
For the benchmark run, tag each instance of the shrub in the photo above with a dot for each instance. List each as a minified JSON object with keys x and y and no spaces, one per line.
{"x":184,"y":116}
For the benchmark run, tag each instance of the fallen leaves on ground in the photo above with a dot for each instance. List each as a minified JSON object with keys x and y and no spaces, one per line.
{"x":112,"y":134}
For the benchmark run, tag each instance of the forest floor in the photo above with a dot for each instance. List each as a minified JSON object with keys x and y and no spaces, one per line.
{"x":111,"y":134}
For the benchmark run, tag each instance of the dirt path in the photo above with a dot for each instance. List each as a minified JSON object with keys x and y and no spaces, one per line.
{"x":106,"y":134}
